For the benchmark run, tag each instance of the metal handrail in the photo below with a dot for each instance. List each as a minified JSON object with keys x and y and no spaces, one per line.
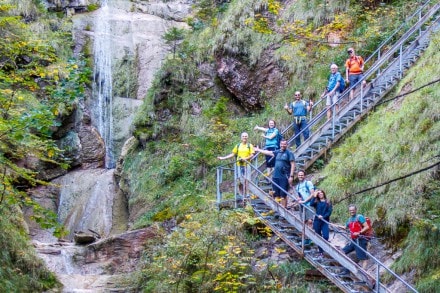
{"x":398,"y":47}
{"x":315,"y":121}
{"x":399,"y":29}
{"x":375,"y":260}
{"x":381,"y":60}
{"x":306,"y":230}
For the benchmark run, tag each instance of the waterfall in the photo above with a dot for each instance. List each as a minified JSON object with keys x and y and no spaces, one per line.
{"x":102,"y":83}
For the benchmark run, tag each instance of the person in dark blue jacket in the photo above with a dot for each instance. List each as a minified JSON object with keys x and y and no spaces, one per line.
{"x":323,"y":212}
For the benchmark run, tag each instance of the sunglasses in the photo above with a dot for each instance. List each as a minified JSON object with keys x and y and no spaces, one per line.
{"x":349,"y":52}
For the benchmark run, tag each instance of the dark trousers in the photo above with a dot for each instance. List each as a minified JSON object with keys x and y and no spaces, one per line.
{"x":270,"y":160}
{"x":298,"y":127}
{"x":322,"y":229}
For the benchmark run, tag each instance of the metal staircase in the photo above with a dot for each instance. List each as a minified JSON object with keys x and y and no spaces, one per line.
{"x":389,"y":62}
{"x":394,"y":57}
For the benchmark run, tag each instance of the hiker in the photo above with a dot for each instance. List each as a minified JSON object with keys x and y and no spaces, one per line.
{"x":305,"y":190}
{"x":243,"y":153}
{"x":299,"y":110}
{"x":357,"y":225}
{"x":332,"y":90}
{"x":284,"y":170}
{"x":322,"y":218}
{"x":354,"y":67}
{"x":271,"y":135}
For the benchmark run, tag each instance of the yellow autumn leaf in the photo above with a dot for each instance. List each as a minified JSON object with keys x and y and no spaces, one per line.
{"x":280,"y":250}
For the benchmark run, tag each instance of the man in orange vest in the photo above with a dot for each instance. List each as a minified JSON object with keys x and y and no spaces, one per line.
{"x":354,"y":67}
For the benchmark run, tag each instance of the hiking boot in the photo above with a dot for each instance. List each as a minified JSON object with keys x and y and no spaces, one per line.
{"x":307,"y":242}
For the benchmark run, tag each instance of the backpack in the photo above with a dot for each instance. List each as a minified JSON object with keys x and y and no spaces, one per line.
{"x":307,"y":188}
{"x":356,"y":226}
{"x":279,"y":139}
{"x":341,"y":84}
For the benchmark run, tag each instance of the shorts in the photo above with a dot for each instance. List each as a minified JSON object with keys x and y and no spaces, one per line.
{"x":244,"y":173}
{"x":354,"y":78}
{"x":283,"y":183}
{"x":331,"y":99}
{"x":309,"y":214}
{"x":360,"y":254}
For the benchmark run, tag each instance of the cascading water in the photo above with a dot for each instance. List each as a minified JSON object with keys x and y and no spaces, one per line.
{"x":102,"y":85}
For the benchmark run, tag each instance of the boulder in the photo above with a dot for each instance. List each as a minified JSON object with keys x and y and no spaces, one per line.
{"x":92,"y":147}
{"x":82,"y":238}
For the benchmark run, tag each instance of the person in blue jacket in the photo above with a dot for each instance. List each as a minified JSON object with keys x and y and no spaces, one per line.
{"x":271,"y":144}
{"x":323,"y":212}
{"x":299,"y":109}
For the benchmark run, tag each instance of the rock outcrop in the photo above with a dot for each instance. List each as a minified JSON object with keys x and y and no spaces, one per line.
{"x":97,"y":267}
{"x":251,"y":85}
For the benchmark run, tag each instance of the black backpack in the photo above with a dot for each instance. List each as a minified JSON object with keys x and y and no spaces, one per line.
{"x":279,"y":139}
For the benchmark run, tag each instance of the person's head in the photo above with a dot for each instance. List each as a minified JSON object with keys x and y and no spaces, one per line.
{"x":244,"y":137}
{"x":321,"y":194}
{"x":333,"y":68}
{"x":301,"y":175}
{"x":350,"y":52}
{"x":283,"y":144}
{"x":297,"y":95}
{"x":352,"y":209}
{"x":271,"y":123}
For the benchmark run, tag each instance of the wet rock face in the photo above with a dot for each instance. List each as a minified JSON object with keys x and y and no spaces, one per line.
{"x":169,"y":10}
{"x":92,"y":147}
{"x":250,"y":85}
{"x":103,"y":266}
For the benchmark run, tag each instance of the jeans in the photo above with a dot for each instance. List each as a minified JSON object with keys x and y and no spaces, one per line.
{"x":322,"y":229}
{"x":354,"y":78}
{"x":362,"y":242}
{"x":298,"y":128}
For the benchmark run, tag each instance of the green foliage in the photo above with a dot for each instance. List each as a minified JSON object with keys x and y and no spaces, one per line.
{"x":298,"y":38}
{"x":20,"y":269}
{"x":36,"y":89}
{"x":173,"y":37}
{"x":93,"y":7}
{"x":210,"y":255}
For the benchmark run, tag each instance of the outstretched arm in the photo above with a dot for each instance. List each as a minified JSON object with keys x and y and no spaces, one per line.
{"x":312,"y":195}
{"x":226,"y":157}
{"x":266,"y":152}
{"x":260,"y":128}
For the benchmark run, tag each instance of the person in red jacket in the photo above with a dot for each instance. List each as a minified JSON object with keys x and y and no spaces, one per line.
{"x":357,"y":224}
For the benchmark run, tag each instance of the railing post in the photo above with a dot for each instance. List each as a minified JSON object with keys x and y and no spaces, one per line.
{"x":236,"y":170}
{"x":377,"y":277}
{"x":333,"y":119}
{"x":378,"y":58}
{"x":303,"y":217}
{"x":400,"y":61}
{"x":219,"y":181}
{"x":362,"y":97}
